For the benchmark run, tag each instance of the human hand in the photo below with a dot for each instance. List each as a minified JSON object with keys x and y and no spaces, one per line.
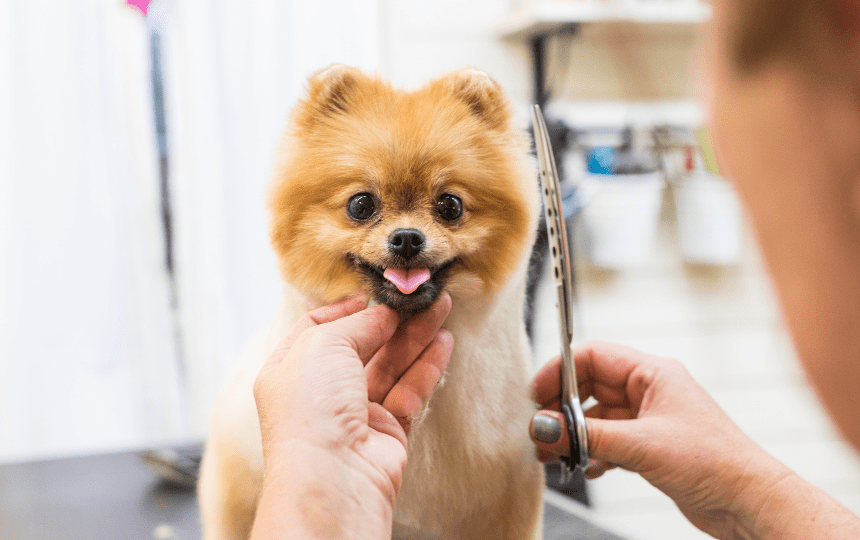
{"x":654,"y":419}
{"x":335,"y":402}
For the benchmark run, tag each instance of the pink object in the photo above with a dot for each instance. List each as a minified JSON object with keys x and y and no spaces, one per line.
{"x":407,"y":280}
{"x":140,"y":5}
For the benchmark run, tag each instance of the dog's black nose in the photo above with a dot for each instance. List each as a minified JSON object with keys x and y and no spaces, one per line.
{"x":406,"y":242}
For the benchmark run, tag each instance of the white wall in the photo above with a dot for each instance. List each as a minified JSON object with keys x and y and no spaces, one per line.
{"x":425,"y":39}
{"x":87,"y":358}
{"x":233,"y":71}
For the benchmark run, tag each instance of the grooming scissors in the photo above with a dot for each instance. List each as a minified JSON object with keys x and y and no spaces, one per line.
{"x":571,"y":408}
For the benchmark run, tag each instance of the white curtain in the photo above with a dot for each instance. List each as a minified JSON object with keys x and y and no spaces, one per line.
{"x":233,"y":70}
{"x":87,"y":356}
{"x":89,"y":360}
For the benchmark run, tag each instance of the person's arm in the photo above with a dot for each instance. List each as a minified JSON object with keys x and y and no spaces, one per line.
{"x":322,"y":494}
{"x":652,"y":418}
{"x":335,"y":402}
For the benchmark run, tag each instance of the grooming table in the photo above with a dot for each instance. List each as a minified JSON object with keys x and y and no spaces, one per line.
{"x":117,"y":497}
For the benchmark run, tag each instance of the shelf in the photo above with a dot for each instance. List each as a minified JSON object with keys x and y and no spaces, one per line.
{"x":548,"y":16}
{"x":621,"y":114}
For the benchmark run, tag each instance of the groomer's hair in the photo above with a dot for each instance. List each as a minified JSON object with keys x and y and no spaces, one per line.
{"x":803,"y":31}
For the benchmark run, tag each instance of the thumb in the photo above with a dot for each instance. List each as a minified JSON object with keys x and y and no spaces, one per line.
{"x":548,"y":430}
{"x":613,"y":443}
{"x":610,"y":442}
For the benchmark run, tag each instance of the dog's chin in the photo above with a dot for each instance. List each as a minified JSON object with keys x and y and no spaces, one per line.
{"x":385,"y":292}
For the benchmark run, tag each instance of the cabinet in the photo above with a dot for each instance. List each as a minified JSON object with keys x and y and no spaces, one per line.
{"x":537,"y":21}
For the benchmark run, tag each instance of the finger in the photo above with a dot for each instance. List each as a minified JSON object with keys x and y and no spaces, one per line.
{"x":548,"y":430}
{"x":546,"y":383}
{"x":597,"y":467}
{"x":384,"y":422}
{"x":554,"y":405}
{"x":381,"y":421}
{"x":325,"y":314}
{"x":604,"y":363}
{"x":410,"y":393}
{"x":617,"y":375}
{"x":547,"y":457}
{"x":605,"y":412}
{"x":365,"y":332}
{"x":395,"y":357}
{"x":602,"y":369}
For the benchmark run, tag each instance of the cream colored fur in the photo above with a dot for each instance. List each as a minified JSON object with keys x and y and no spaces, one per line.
{"x":472,"y":470}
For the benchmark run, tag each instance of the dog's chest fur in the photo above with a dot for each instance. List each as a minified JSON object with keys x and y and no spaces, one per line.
{"x":473,"y":435}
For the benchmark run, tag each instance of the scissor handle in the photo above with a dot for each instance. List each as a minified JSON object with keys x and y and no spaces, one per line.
{"x":571,"y":460}
{"x":578,"y":440}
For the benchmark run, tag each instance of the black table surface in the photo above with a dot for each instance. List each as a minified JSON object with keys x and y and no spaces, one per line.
{"x":118,"y":497}
{"x":110,"y":496}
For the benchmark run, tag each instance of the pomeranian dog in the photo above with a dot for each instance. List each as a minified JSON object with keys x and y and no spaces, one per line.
{"x":404,"y":195}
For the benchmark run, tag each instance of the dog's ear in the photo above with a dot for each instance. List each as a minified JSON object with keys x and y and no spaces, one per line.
{"x":482,"y":94}
{"x":332,"y":91}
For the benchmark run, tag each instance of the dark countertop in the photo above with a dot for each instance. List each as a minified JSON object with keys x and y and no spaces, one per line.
{"x":109,"y":496}
{"x":118,"y":497}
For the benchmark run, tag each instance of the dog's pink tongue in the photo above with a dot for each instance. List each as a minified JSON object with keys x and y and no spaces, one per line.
{"x":407,"y":280}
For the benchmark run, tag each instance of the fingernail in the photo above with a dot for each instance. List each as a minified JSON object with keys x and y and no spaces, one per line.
{"x":546,"y":428}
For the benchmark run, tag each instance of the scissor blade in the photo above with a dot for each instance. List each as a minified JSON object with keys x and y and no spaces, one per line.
{"x":556,"y":229}
{"x":558,"y":244}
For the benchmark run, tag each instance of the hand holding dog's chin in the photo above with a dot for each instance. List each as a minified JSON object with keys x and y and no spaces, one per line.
{"x":314,"y":492}
{"x":334,"y":461}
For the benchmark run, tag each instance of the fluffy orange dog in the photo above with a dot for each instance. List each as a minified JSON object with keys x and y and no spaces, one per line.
{"x":404,"y":195}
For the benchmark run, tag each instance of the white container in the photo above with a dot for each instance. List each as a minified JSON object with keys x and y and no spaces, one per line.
{"x":708,"y":218}
{"x":619,"y":218}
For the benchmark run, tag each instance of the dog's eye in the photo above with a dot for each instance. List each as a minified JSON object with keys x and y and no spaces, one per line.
{"x":361,"y":207}
{"x":450,"y":207}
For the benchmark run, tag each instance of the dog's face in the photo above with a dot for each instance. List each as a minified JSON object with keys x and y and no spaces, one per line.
{"x":402,"y":194}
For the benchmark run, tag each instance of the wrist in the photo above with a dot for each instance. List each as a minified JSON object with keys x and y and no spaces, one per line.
{"x":314,"y":492}
{"x":758,"y":502}
{"x":777,"y":503}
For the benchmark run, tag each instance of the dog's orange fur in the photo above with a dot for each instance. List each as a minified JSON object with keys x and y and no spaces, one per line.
{"x":472,"y":470}
{"x":453,"y":135}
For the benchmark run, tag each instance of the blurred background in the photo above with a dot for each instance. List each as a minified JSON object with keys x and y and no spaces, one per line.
{"x":134,"y":262}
